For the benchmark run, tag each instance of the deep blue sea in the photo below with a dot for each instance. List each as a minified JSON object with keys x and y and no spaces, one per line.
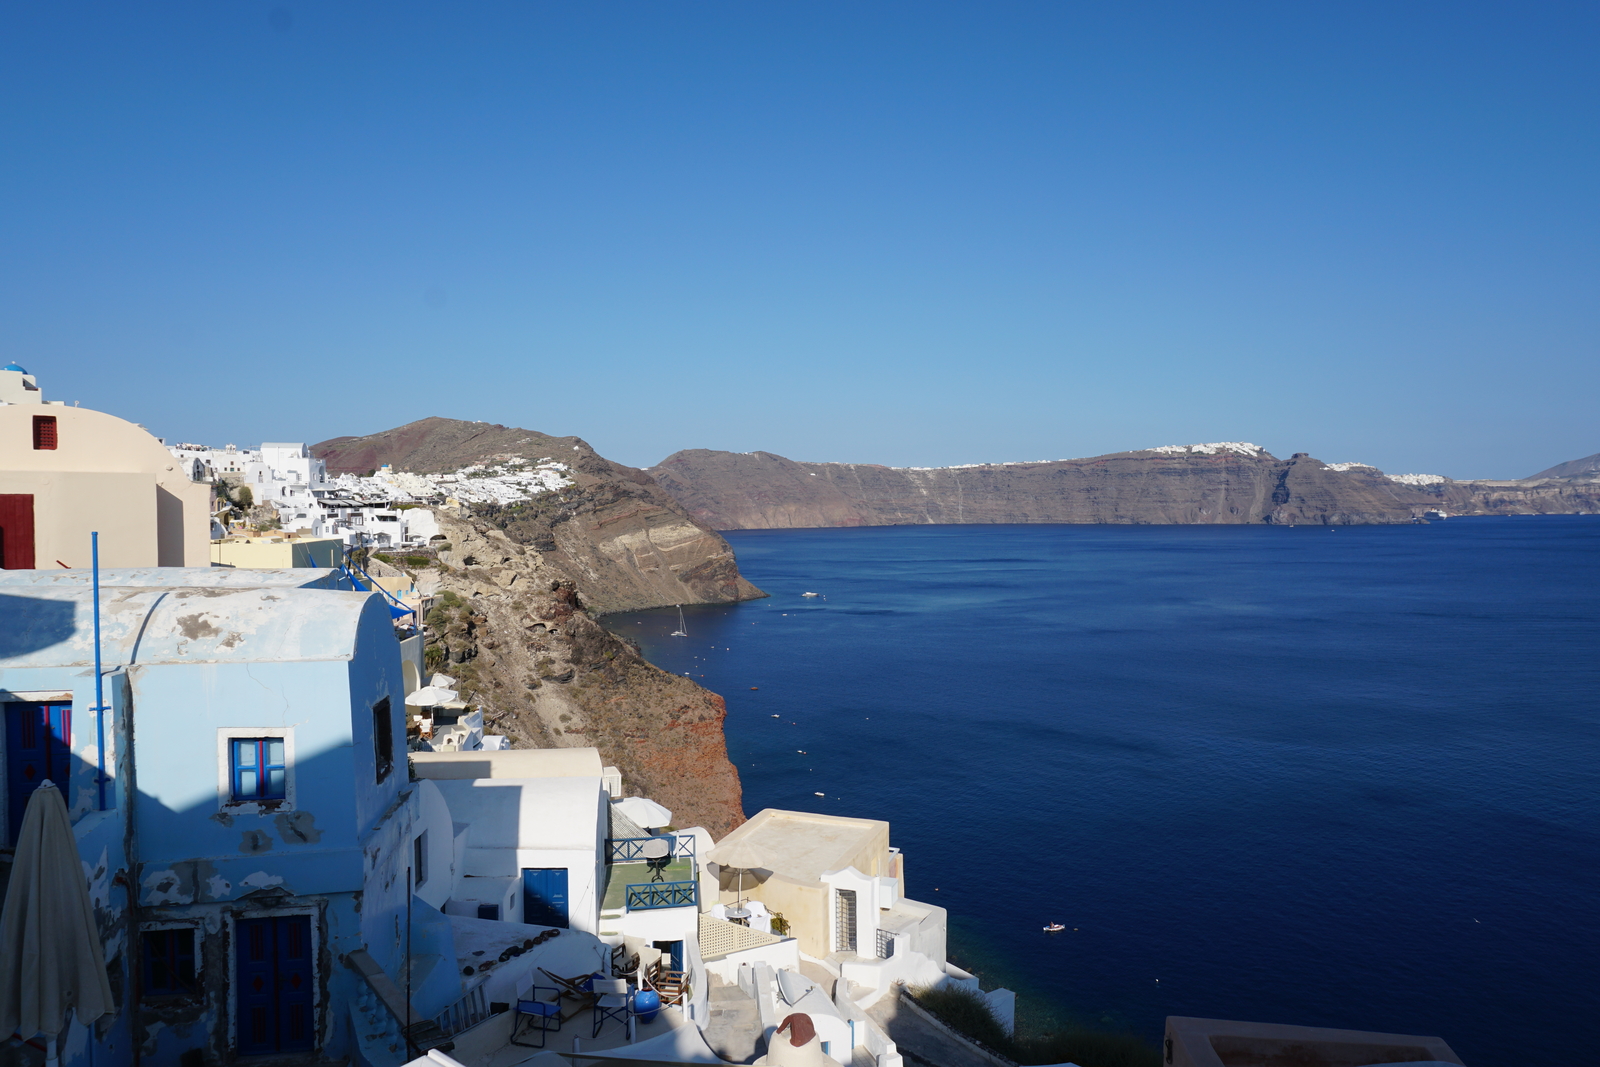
{"x":1329,"y":776}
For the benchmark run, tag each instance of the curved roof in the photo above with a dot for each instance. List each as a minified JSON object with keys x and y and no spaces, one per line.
{"x":14,"y":366}
{"x":53,"y":625}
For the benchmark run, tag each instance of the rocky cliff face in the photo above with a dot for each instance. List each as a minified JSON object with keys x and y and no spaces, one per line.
{"x":511,"y":627}
{"x":517,"y":584}
{"x":623,"y":542}
{"x":1221,"y":483}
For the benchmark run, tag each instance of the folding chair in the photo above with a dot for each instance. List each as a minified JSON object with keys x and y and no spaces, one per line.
{"x":612,"y":1002}
{"x":541,"y":1010}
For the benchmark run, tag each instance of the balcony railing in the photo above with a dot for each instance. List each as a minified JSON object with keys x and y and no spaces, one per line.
{"x":653,"y":895}
{"x":630,"y":849}
{"x":467,"y":1012}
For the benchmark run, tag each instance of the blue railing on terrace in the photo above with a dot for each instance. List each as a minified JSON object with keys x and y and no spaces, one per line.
{"x":652,"y":895}
{"x":630,"y":849}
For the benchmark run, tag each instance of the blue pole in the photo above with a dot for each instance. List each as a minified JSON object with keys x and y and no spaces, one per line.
{"x":99,"y":683}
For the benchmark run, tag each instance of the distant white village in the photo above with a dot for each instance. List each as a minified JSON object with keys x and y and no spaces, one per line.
{"x":376,"y":510}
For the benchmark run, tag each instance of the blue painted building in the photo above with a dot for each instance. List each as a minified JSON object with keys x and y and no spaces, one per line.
{"x":242,"y":802}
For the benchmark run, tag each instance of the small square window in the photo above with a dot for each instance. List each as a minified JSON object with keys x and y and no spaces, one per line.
{"x":44,"y":431}
{"x":168,"y":961}
{"x":489,"y":911}
{"x":258,"y":769}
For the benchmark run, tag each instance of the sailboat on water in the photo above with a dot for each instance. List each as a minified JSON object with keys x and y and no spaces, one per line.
{"x":682,"y":630}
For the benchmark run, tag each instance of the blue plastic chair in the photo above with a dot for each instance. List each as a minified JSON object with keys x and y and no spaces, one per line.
{"x":541,"y":1010}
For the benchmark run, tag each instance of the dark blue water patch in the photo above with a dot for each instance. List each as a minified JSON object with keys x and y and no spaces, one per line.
{"x":1346,"y":778}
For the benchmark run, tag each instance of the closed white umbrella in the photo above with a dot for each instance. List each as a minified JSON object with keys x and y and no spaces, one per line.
{"x":646,"y":813}
{"x":50,"y":953}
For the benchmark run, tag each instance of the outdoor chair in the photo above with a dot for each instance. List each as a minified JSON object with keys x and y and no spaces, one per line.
{"x":579,"y":988}
{"x":542,"y":1012}
{"x":612,"y":1002}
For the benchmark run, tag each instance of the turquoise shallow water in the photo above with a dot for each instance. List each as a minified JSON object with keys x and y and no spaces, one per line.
{"x":1334,"y":777}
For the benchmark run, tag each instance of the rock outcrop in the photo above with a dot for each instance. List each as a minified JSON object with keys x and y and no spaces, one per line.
{"x":512,"y":628}
{"x":1230,"y":482}
{"x":620,"y":539}
{"x":516,"y":588}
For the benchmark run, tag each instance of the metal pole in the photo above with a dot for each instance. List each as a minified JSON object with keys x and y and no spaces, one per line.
{"x":411,"y":1049}
{"x":99,"y":682}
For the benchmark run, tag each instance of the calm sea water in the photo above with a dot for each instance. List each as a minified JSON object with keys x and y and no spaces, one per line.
{"x":1338,"y":777}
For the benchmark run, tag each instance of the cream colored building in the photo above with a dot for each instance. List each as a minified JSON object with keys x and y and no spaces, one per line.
{"x":840,"y":888}
{"x":278,"y":550}
{"x":65,"y":471}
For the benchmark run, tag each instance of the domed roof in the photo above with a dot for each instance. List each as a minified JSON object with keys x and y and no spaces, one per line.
{"x":14,"y":366}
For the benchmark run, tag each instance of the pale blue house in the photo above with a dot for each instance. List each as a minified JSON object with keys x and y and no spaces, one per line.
{"x":242,"y":803}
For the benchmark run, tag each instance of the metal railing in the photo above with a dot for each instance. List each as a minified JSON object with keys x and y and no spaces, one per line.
{"x":653,"y":895}
{"x":631,"y":849}
{"x":885,"y":945}
{"x":467,"y":1012}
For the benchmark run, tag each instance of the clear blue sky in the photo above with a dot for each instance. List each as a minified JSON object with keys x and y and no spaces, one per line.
{"x":913,"y":233}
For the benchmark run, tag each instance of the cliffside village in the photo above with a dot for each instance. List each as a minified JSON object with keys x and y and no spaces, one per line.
{"x":297,"y":843}
{"x":309,"y":847}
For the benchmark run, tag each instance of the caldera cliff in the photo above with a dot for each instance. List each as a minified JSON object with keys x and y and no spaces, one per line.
{"x":1227,"y":482}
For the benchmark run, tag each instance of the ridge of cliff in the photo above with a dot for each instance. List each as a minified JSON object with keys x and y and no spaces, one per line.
{"x":515,"y":632}
{"x":1224,"y":482}
{"x":623,"y":542}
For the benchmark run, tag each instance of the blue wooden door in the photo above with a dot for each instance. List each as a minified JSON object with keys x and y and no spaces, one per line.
{"x":273,"y":985}
{"x":544,"y":896}
{"x":38,"y":746}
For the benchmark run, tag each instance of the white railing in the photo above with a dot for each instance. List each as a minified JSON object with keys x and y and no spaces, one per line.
{"x":467,"y":1012}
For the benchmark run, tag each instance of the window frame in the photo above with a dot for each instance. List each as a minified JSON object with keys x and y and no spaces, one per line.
{"x":382,"y":739}
{"x":419,"y":860}
{"x":226,"y":801}
{"x":146,"y":987}
{"x":46,"y":433}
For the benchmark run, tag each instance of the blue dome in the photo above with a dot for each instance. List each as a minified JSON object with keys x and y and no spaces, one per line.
{"x":14,"y":366}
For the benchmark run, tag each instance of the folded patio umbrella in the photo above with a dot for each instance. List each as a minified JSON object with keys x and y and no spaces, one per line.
{"x":50,"y":953}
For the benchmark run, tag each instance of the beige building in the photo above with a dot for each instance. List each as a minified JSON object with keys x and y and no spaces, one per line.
{"x":65,"y":471}
{"x":278,"y":551}
{"x":840,"y":888}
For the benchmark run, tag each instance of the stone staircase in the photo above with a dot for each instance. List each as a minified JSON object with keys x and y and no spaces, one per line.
{"x":733,"y":1029}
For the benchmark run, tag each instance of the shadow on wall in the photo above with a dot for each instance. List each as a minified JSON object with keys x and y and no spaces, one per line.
{"x":47,"y":623}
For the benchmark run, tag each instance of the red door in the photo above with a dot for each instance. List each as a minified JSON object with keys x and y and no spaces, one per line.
{"x":16,"y":531}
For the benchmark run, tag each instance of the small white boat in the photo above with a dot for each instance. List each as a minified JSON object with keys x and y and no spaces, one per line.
{"x":682,"y":630}
{"x":810,"y":594}
{"x":1054,"y":928}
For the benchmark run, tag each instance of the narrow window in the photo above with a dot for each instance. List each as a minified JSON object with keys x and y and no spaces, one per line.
{"x":259,"y":770}
{"x":845,"y":916}
{"x":419,"y":859}
{"x":168,"y":962}
{"x":44,"y":431}
{"x":382,"y":738}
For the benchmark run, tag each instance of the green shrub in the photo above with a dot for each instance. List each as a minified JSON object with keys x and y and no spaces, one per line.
{"x":383,"y":556}
{"x":963,"y":1010}
{"x":968,"y":1013}
{"x":418,"y":561}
